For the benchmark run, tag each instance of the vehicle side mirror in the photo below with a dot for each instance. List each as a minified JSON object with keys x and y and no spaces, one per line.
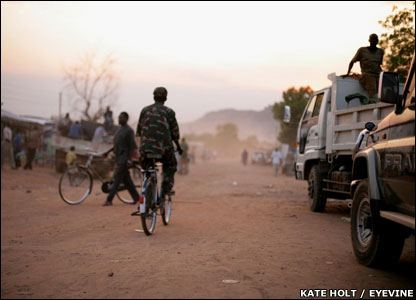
{"x":370,"y":126}
{"x":286,"y":117}
{"x":388,"y":88}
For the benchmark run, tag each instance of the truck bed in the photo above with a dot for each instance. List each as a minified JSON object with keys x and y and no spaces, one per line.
{"x":347,"y":120}
{"x":348,"y":123}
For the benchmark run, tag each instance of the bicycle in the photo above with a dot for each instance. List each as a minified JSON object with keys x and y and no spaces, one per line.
{"x":150,"y":201}
{"x":76,"y":183}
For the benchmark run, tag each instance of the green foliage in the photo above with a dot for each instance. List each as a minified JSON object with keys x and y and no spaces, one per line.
{"x":399,"y":42}
{"x":296,"y":99}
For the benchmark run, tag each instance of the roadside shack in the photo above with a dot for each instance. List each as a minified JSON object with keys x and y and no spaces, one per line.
{"x":24,"y":124}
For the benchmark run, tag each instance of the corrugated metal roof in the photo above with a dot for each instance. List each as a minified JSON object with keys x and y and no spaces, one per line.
{"x":9,"y":116}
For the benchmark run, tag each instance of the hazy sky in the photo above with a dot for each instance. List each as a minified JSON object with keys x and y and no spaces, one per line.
{"x":209,"y":55}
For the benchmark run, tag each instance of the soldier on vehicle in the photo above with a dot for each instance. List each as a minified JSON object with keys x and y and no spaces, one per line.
{"x":157,"y":129}
{"x":371,"y":59}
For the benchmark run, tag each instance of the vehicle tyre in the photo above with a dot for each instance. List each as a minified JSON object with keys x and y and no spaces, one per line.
{"x":317,"y":197}
{"x":75,"y":185}
{"x":166,"y":211}
{"x":148,"y":218}
{"x":376,"y":242}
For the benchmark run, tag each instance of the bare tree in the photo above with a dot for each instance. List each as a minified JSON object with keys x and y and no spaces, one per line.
{"x":93,"y":84}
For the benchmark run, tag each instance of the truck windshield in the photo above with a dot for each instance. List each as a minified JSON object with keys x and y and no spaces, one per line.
{"x":311,"y":107}
{"x":314,"y":106}
{"x":318,"y":104}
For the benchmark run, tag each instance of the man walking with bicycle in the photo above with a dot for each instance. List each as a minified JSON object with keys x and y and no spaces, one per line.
{"x":158,"y":129}
{"x":124,"y":148}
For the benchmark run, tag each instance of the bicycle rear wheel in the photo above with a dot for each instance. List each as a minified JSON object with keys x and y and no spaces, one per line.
{"x":148,"y":218}
{"x":137,"y":178}
{"x":166,"y":211}
{"x":75,"y":185}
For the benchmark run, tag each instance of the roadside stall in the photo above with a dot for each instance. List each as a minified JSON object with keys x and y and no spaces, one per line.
{"x":24,"y":124}
{"x":83,"y":147}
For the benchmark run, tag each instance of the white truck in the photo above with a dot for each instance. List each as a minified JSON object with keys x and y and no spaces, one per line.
{"x":327,"y":134}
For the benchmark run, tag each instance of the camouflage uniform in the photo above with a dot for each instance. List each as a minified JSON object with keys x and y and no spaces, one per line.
{"x":157,"y":129}
{"x":370,"y":68}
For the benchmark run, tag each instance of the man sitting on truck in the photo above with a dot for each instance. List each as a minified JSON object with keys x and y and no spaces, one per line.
{"x":371,"y":59}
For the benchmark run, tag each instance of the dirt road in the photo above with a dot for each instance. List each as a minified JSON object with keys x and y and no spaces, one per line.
{"x":229,"y":222}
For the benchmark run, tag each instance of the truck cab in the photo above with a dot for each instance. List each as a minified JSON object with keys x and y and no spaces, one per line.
{"x":312,"y":130}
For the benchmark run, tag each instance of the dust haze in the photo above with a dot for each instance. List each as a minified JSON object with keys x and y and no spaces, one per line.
{"x":230,"y":222}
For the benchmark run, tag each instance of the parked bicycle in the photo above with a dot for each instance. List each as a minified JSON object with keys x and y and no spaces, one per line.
{"x":150,"y":201}
{"x":76,"y":183}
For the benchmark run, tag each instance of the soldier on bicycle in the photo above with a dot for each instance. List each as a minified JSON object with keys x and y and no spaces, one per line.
{"x":157,"y":130}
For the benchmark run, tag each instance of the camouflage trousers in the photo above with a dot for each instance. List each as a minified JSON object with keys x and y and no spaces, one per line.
{"x":168,"y":170}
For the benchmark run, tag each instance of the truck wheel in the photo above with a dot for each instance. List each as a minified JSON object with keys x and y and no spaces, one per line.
{"x":317,"y":198}
{"x":376,"y":242}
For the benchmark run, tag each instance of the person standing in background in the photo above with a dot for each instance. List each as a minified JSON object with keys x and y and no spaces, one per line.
{"x":75,"y":131}
{"x":184,"y":157}
{"x":17,"y":145}
{"x":7,"y":147}
{"x":34,"y":141}
{"x":98,"y":137}
{"x":276,"y":157}
{"x":64,"y":125}
{"x":244,"y":157}
{"x":108,"y":119}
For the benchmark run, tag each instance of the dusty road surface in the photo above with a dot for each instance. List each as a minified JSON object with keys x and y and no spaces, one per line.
{"x":229,"y":222}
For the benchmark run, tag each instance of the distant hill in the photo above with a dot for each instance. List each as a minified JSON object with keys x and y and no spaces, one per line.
{"x":249,"y":122}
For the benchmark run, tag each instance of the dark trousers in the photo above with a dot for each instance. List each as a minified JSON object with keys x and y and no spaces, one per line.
{"x":168,"y":170}
{"x":122,"y":175}
{"x":17,"y":158}
{"x":30,"y":156}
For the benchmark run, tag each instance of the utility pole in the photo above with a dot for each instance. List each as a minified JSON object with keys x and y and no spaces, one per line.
{"x":60,"y":105}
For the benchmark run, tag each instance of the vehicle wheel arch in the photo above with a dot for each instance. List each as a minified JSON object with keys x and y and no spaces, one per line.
{"x":308,"y":167}
{"x":366,"y":166}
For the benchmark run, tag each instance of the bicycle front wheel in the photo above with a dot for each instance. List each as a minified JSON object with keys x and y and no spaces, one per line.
{"x":149,"y":216}
{"x":75,"y":185}
{"x":166,"y":211}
